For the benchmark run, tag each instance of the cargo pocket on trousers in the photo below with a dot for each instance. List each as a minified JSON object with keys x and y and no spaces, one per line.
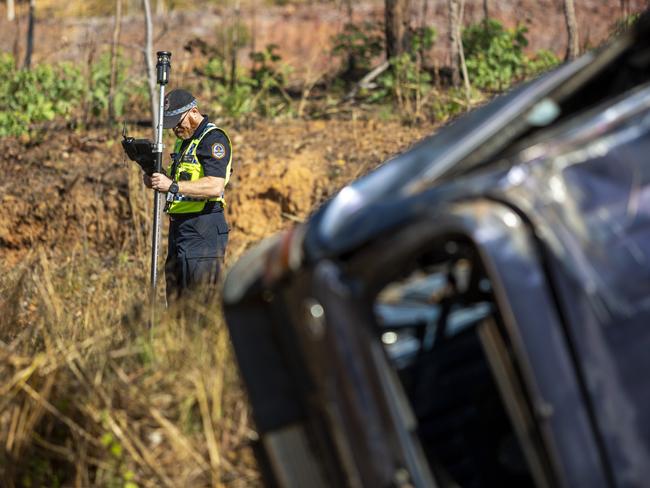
{"x":202,"y":271}
{"x":222,"y":241}
{"x":212,"y":237}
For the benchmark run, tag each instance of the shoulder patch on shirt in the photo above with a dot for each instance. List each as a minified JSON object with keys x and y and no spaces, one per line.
{"x":218,"y":150}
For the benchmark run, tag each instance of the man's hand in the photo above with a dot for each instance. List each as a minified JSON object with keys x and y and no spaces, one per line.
{"x":160,"y":182}
{"x":146,"y":179}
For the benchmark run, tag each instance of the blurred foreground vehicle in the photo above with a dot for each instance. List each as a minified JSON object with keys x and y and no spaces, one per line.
{"x":474,"y":313}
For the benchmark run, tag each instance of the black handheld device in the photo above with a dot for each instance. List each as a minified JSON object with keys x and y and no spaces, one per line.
{"x":141,"y":151}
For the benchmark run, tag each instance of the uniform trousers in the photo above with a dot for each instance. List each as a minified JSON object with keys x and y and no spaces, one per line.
{"x":195,"y":253}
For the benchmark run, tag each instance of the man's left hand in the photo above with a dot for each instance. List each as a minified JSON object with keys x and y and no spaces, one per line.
{"x":160,"y":182}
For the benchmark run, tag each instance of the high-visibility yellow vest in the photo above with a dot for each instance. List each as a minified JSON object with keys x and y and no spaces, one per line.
{"x":189,"y":163}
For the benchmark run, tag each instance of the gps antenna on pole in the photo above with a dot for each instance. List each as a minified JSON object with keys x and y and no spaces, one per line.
{"x":163,"y":67}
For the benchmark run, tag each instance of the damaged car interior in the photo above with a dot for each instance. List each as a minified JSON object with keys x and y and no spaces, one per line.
{"x":441,"y":328}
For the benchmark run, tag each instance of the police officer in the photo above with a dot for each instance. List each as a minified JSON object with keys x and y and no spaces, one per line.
{"x":197,"y":176}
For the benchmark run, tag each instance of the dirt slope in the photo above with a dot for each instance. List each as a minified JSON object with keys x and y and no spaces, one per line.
{"x":67,"y":191}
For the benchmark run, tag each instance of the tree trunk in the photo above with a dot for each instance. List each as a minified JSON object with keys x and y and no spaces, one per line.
{"x":454,"y":39}
{"x":253,"y":25}
{"x":114,"y":58}
{"x":397,"y":21}
{"x":461,"y":53}
{"x":486,"y":11}
{"x":16,"y":45}
{"x":148,"y":59}
{"x":235,"y":47}
{"x":625,"y":8}
{"x":573,"y":49}
{"x":30,"y":35}
{"x":11,"y":11}
{"x":160,"y":7}
{"x":424,"y":13}
{"x":351,"y":60}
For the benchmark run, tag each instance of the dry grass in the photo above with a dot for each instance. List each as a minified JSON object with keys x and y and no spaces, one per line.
{"x":90,"y":397}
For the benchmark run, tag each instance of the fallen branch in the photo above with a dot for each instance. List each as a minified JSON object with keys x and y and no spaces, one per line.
{"x":366,"y":80}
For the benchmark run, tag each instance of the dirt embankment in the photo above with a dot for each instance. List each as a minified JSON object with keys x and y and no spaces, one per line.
{"x":70,"y":191}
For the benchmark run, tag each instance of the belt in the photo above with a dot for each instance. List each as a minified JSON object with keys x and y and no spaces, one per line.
{"x":210,"y":207}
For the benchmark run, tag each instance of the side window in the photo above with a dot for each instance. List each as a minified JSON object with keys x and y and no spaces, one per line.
{"x":439,"y":324}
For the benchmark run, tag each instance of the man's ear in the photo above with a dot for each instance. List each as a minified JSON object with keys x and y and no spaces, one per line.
{"x":195,"y":114}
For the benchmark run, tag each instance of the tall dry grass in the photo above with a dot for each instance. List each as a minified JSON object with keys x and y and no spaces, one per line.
{"x":89,"y":396}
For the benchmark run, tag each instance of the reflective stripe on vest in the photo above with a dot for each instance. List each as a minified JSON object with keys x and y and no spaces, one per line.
{"x":189,"y":164}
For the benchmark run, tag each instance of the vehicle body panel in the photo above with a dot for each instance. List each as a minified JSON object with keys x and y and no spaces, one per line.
{"x":557,"y":209}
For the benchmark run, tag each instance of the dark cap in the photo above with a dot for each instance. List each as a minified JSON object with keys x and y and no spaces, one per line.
{"x":177,"y":102}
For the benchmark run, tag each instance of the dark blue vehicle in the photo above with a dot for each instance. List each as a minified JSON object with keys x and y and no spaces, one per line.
{"x":475,"y":312}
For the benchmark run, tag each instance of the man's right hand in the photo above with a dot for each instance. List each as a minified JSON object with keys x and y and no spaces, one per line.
{"x":146,"y":179}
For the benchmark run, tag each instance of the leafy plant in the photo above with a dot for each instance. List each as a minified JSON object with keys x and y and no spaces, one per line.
{"x":407,"y":82}
{"x":271,"y":79}
{"x":47,"y":91}
{"x":423,"y":39}
{"x":358,"y":45}
{"x":262,"y":91}
{"x":495,"y":55}
{"x":235,"y":101}
{"x":542,"y":61}
{"x":100,"y":78}
{"x":267,"y":68}
{"x":116,"y":474}
{"x":36,"y":95}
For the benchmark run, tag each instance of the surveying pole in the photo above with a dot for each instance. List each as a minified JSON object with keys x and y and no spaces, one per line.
{"x":163,"y":66}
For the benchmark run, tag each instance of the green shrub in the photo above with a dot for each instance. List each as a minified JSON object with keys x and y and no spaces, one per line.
{"x":407,"y":83}
{"x":235,"y":101}
{"x":542,"y":61}
{"x":270,"y":78}
{"x":359,"y":45}
{"x":423,"y":39}
{"x":47,"y":91}
{"x":100,"y":82}
{"x":36,"y":95}
{"x":262,"y":91}
{"x":495,"y":55}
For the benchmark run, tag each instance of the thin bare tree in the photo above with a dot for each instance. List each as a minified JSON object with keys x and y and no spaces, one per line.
{"x":461,"y":53}
{"x":573,"y":47}
{"x":397,"y":14}
{"x":30,"y":35}
{"x":424,"y":13}
{"x":148,"y":61}
{"x":114,"y":57}
{"x":454,"y":40}
{"x":625,"y":8}
{"x":422,"y":24}
{"x":234,"y":40}
{"x":11,"y":10}
{"x":253,"y":25}
{"x":160,"y":7}
{"x":16,"y":43}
